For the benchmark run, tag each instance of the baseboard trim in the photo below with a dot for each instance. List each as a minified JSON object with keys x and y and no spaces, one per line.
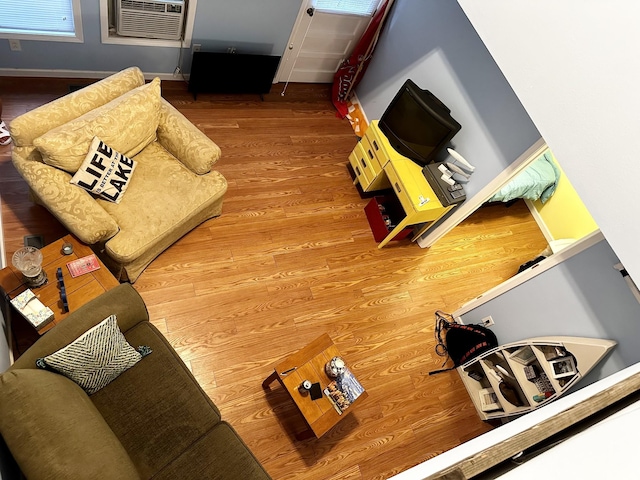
{"x":31,"y":72}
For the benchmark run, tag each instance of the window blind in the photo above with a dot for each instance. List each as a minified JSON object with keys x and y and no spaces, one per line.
{"x":37,"y":17}
{"x":354,"y":7}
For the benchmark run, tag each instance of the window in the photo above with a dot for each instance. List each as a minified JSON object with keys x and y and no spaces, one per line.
{"x":354,"y":7}
{"x":53,"y":20}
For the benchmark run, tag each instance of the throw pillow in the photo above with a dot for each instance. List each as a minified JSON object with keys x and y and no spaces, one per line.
{"x":105,"y":172}
{"x":128,"y":124}
{"x":96,"y":358}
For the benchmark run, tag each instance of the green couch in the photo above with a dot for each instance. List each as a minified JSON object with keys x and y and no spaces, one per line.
{"x":152,"y":421}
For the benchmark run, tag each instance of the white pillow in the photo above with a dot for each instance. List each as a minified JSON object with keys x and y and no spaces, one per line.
{"x":105,"y":172}
{"x":95,"y":358}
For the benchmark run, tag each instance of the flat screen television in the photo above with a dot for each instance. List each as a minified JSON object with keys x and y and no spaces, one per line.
{"x":417,"y":124}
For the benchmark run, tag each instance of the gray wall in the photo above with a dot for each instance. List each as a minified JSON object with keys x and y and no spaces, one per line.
{"x":252,"y":26}
{"x":433,"y":43}
{"x":582,"y":95}
{"x":583,"y":296}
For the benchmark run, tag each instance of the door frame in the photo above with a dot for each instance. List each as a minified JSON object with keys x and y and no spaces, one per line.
{"x":541,"y":267}
{"x":283,"y":72}
{"x":471,"y":205}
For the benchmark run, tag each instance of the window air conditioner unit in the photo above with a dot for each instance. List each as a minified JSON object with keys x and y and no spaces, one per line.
{"x":150,"y":18}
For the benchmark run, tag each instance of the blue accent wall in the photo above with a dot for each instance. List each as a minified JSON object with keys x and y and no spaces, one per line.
{"x":433,"y":43}
{"x":252,"y":26}
{"x":583,"y":296}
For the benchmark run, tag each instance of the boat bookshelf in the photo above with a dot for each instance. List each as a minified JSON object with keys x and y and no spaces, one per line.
{"x":516,"y":378}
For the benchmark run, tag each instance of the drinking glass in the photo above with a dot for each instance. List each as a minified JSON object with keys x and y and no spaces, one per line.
{"x":29,"y":261}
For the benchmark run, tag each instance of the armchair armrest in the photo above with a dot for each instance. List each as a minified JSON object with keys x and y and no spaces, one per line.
{"x":73,"y":206}
{"x":184,"y":141}
{"x":123,"y":301}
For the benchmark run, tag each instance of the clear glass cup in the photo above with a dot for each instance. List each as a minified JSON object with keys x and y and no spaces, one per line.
{"x":29,"y":261}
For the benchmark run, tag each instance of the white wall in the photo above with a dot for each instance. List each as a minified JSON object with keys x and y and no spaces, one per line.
{"x":574,"y":66}
{"x":599,"y":457}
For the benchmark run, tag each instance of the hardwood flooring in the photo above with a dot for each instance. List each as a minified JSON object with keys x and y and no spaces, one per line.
{"x":292,"y":257}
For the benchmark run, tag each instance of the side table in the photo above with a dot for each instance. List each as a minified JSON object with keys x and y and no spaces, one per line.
{"x":309,"y":364}
{"x":80,"y":290}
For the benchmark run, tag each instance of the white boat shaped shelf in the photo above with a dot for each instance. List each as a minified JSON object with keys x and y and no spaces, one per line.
{"x":518,"y":377}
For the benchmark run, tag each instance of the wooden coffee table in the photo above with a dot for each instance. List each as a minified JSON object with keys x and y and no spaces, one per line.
{"x":308,"y":364}
{"x":80,"y":290}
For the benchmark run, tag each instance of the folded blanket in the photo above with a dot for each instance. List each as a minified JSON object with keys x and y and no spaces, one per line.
{"x":538,"y":181}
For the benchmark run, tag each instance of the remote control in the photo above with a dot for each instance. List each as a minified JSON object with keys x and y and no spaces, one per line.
{"x":460,"y":159}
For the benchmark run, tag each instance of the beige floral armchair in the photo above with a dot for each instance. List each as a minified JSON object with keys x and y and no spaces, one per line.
{"x":171,"y":191}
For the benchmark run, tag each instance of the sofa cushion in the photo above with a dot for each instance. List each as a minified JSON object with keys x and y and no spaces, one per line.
{"x":128,"y":124}
{"x":219,"y":455}
{"x":29,"y":126}
{"x":156,"y":409}
{"x":170,"y":195}
{"x":96,"y":357}
{"x":54,"y":431}
{"x":105,"y":172}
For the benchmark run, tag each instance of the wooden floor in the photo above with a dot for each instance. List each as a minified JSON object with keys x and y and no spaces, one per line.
{"x":292,"y":257}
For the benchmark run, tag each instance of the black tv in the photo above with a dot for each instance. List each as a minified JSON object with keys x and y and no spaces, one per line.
{"x":417,"y":124}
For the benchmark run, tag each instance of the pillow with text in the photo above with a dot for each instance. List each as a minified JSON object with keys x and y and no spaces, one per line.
{"x":105,"y":172}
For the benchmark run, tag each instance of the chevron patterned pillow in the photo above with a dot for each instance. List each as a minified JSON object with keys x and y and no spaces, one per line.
{"x":96,"y":358}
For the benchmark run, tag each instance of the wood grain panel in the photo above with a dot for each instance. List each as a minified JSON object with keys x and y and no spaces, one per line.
{"x":291,"y":258}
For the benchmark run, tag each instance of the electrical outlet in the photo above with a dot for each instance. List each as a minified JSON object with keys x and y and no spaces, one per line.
{"x":15,"y":46}
{"x":196,"y":47}
{"x":176,"y":72}
{"x":488,"y":321}
{"x":231,"y":50}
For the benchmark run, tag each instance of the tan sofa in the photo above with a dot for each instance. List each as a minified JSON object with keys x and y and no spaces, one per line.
{"x":152,"y":421}
{"x":172,"y":190}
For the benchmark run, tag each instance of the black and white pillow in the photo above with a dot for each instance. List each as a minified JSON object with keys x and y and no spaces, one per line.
{"x":96,"y":358}
{"x":105,"y":172}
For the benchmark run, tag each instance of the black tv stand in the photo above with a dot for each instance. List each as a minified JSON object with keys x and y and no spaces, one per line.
{"x":213,"y":72}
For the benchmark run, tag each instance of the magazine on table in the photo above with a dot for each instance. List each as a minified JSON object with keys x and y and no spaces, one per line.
{"x":343,"y":391}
